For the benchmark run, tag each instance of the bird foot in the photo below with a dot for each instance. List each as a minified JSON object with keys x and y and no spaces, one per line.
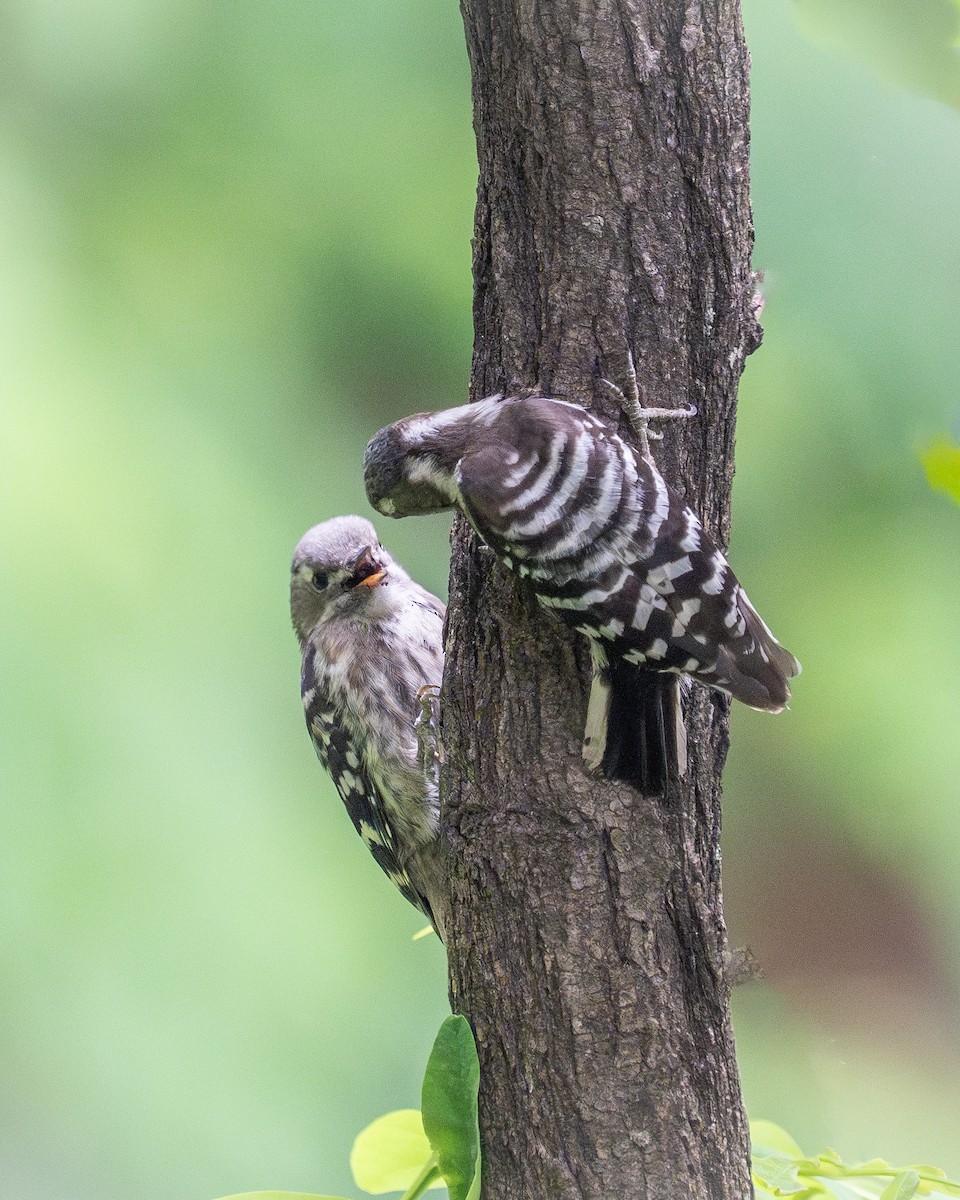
{"x":637,"y":414}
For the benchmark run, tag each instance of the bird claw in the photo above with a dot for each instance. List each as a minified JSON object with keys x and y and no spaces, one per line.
{"x":639,"y":416}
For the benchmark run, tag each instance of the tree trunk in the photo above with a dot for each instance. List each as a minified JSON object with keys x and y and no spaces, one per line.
{"x":586,"y":938}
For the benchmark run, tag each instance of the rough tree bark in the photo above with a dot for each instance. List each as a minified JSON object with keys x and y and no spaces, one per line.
{"x":586,"y":939}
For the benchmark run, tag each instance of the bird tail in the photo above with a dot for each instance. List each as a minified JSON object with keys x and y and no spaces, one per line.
{"x":756,"y":666}
{"x":635,"y":729}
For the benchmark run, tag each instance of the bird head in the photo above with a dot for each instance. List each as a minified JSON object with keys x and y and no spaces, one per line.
{"x":408,"y":468}
{"x":339,"y":570}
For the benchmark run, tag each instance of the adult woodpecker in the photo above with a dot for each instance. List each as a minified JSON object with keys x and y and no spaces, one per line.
{"x":590,"y":524}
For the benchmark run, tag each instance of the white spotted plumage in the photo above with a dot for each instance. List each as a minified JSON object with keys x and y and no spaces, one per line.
{"x":371,"y":639}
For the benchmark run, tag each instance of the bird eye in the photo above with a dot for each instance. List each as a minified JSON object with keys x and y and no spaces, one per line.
{"x":320,"y":580}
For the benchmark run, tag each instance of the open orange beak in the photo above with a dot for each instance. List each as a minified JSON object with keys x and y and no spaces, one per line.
{"x":367,"y":571}
{"x":371,"y":580}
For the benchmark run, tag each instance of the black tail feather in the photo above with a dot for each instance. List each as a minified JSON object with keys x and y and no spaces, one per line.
{"x":643,"y":746}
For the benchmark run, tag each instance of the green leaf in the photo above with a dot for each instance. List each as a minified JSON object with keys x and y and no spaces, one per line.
{"x":875,"y":1166}
{"x":910,"y":44}
{"x":778,"y":1173}
{"x":279,"y":1196}
{"x":904,"y":1187}
{"x":391,"y":1153}
{"x":941,"y":461}
{"x":925,"y":1171}
{"x":830,"y":1156}
{"x":765,"y":1136}
{"x":781,"y":1169}
{"x":934,"y":1183}
{"x":450,"y":1088}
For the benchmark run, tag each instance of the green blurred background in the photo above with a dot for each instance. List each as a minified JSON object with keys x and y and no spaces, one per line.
{"x":234,"y":241}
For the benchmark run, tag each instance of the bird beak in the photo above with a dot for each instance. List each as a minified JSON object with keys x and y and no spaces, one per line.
{"x":367,"y":571}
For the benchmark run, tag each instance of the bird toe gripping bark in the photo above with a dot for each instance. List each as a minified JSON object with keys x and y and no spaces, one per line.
{"x":637,"y":414}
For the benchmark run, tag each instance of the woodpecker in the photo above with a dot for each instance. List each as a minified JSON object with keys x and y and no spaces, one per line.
{"x":372,"y":655}
{"x":588,"y":522}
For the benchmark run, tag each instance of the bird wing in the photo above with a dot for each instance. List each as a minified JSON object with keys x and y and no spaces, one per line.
{"x":361,"y":797}
{"x":606,"y":542}
{"x":523,"y":476}
{"x":691,"y":597}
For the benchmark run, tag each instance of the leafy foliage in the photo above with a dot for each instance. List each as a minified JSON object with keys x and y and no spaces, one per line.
{"x":780,"y":1168}
{"x":391,"y":1154}
{"x":410,"y":1152}
{"x":941,"y":461}
{"x":450,"y":1089}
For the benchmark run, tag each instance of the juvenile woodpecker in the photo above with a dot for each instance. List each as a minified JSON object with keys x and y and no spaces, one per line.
{"x":590,"y":524}
{"x":372,"y":646}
